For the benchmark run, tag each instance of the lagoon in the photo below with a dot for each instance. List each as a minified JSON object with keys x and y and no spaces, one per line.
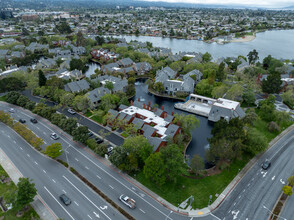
{"x":278,"y":43}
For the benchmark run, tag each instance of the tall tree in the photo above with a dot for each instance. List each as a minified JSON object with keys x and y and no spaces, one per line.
{"x":252,"y":56}
{"x":26,"y":192}
{"x":220,"y":74}
{"x":42,"y":78}
{"x":80,"y":39}
{"x":81,"y":134}
{"x":154,"y":169}
{"x":54,"y":150}
{"x":272,"y":84}
{"x":206,"y":57}
{"x":196,"y":163}
{"x":109,"y":85}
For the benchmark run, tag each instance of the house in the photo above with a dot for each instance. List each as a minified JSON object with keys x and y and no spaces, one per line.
{"x":118,"y":84}
{"x":226,"y":109}
{"x":3,"y":54}
{"x":165,"y":74}
{"x":33,"y":47}
{"x":46,"y":63}
{"x":110,"y":68}
{"x":152,"y":124}
{"x":174,"y":58}
{"x":95,"y":95}
{"x":126,"y":62}
{"x":142,"y":68}
{"x":77,"y":74}
{"x":77,"y":86}
{"x":197,"y":73}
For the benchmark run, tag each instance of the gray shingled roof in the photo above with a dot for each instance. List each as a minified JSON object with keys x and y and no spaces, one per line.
{"x":122,"y":115}
{"x":77,"y":86}
{"x":125,"y":62}
{"x":138,"y":122}
{"x":96,"y":94}
{"x":122,"y":107}
{"x":113,"y":113}
{"x":155,"y":142}
{"x":171,"y":130}
{"x":148,"y":130}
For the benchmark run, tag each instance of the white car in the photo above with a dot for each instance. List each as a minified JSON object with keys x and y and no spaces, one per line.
{"x":71,"y":111}
{"x":128,"y":201}
{"x":54,"y":136}
{"x":11,"y":110}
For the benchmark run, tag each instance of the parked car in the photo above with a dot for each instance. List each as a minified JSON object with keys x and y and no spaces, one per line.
{"x":90,"y":134}
{"x":33,"y":120}
{"x":266,"y":164}
{"x":65,"y":199}
{"x":128,"y":201}
{"x":109,"y":150}
{"x":11,"y":110}
{"x":54,"y":136}
{"x":22,"y":121}
{"x":98,"y":140}
{"x":71,"y":111}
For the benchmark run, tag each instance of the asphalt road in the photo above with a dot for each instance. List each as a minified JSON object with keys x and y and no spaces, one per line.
{"x":53,"y":179}
{"x":253,"y":196}
{"x":288,"y":211}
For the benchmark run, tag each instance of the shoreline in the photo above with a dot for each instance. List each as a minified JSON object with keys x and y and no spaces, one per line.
{"x":246,"y":38}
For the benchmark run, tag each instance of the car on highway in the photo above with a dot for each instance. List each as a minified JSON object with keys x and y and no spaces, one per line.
{"x":65,"y":199}
{"x":98,"y":140}
{"x":128,"y":201}
{"x":266,"y":164}
{"x":11,"y":110}
{"x":70,"y":111}
{"x":54,"y":136}
{"x":22,"y":121}
{"x":33,"y":120}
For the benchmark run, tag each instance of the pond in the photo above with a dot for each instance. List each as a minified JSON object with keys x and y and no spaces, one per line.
{"x":91,"y":70}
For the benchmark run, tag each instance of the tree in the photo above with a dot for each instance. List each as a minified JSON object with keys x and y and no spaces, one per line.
{"x":131,"y":80}
{"x":77,"y":64}
{"x":130,"y":90}
{"x":249,"y":97}
{"x":81,"y":103}
{"x":54,"y":150}
{"x":255,"y":142}
{"x":118,"y":156}
{"x":273,"y":127}
{"x":288,"y":98}
{"x":101,"y":149}
{"x":67,"y":99}
{"x":291,"y":180}
{"x":12,"y":97}
{"x":154,"y":169}
{"x":219,"y":91}
{"x":100,"y":40}
{"x":42,"y":78}
{"x":235,"y":92}
{"x":159,"y":87}
{"x":68,"y":125}
{"x":26,"y":192}
{"x":11,"y":84}
{"x":81,"y":134}
{"x":272,"y":84}
{"x":187,"y":122}
{"x":174,"y":161}
{"x":220,"y":73}
{"x":287,"y":190}
{"x":80,"y":39}
{"x":252,"y":56}
{"x":204,"y":88}
{"x":63,"y":28}
{"x":197,"y":163}
{"x":206,"y":57}
{"x":266,"y":62}
{"x":109,"y":85}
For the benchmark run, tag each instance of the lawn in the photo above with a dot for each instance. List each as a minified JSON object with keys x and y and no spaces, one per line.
{"x":11,"y":214}
{"x":124,"y":134}
{"x":3,"y":98}
{"x":201,"y":189}
{"x":88,"y":113}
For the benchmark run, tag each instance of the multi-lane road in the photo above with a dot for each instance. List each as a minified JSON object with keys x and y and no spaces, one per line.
{"x":256,"y":192}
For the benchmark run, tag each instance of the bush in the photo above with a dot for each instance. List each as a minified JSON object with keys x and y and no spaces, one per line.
{"x":291,"y":180}
{"x":273,"y":127}
{"x":287,"y":190}
{"x":62,"y":162}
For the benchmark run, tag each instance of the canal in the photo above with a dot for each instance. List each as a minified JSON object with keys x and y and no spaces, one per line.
{"x":199,"y":141}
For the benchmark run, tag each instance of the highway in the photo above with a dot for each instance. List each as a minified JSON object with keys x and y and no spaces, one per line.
{"x":253,"y":196}
{"x":53,"y":179}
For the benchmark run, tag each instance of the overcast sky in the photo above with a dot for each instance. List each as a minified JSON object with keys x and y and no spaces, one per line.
{"x":263,"y":3}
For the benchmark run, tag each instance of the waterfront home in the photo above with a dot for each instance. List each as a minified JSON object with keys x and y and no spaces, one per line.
{"x":165,"y":74}
{"x":95,"y":95}
{"x":142,"y":68}
{"x":104,"y":53}
{"x":77,"y":86}
{"x":118,"y":84}
{"x":126,"y":62}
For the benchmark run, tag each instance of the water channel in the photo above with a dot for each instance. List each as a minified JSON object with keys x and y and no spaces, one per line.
{"x":199,"y":136}
{"x":278,"y":43}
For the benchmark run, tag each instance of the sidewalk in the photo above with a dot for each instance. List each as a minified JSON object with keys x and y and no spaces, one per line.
{"x":38,"y":204}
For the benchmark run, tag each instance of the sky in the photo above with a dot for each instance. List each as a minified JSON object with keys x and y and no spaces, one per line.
{"x":251,"y":3}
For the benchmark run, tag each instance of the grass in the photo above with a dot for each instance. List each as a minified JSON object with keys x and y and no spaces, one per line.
{"x":88,"y":113}
{"x":11,"y":214}
{"x":97,"y":119}
{"x":201,"y":189}
{"x":124,"y":134}
{"x":3,"y":98}
{"x":261,"y":127}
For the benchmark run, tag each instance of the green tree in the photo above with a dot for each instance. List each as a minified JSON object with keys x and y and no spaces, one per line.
{"x":187,"y":122}
{"x":255,"y":142}
{"x":288,"y":98}
{"x":154,"y":169}
{"x":219,"y":91}
{"x":206,"y":57}
{"x":159,"y":87}
{"x":81,"y":103}
{"x":249,"y":97}
{"x":252,"y":56}
{"x":67,"y":99}
{"x":42,"y":78}
{"x":220,"y":73}
{"x":197,"y":163}
{"x":68,"y":125}
{"x":109,"y":85}
{"x":204,"y":88}
{"x":174,"y":161}
{"x":287,"y":190}
{"x":235,"y":92}
{"x":26,"y":192}
{"x":81,"y":134}
{"x":12,"y":97}
{"x":101,"y":149}
{"x":272,"y":84}
{"x":54,"y":150}
{"x":266,"y":62}
{"x":80,"y":39}
{"x":118,"y":156}
{"x":63,"y":28}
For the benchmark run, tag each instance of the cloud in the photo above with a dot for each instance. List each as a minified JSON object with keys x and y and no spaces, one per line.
{"x":263,"y":3}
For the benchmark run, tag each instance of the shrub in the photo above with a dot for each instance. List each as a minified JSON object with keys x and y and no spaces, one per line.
{"x":273,"y":127}
{"x":287,"y":190}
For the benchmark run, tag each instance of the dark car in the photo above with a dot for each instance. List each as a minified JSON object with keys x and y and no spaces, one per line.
{"x":54,"y":136}
{"x":65,"y":199}
{"x":22,"y":121}
{"x":90,"y":134}
{"x":266,"y":164}
{"x":98,"y":140}
{"x":33,"y":120}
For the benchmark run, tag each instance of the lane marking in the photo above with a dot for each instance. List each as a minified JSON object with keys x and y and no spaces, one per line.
{"x":8,"y":136}
{"x":14,"y":142}
{"x":142,"y":211}
{"x":58,"y":203}
{"x":98,"y":216}
{"x":86,"y":167}
{"x":234,"y":204}
{"x":21,"y":148}
{"x":76,"y":159}
{"x":36,"y":162}
{"x":28,"y":155}
{"x":281,"y":180}
{"x":273,"y":177}
{"x":45,"y":142}
{"x":86,"y":197}
{"x":53,"y":180}
{"x":76,"y":203}
{"x":44,"y":133}
{"x":98,"y":176}
{"x":111,"y":186}
{"x":44,"y":171}
{"x":89,"y":216}
{"x":248,"y":184}
{"x":63,"y":191}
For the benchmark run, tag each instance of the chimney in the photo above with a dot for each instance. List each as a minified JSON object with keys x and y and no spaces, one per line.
{"x":132,"y":103}
{"x":144,"y":106}
{"x":149,"y":103}
{"x":179,"y":123}
{"x":162,"y":107}
{"x":138,"y":99}
{"x":164,"y":115}
{"x":173,"y":113}
{"x":155,"y":109}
